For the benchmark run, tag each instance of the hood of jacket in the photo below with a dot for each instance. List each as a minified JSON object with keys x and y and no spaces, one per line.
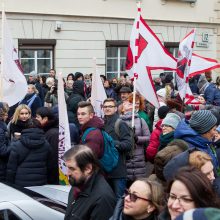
{"x":95,"y":122}
{"x":78,"y":87}
{"x":33,"y":138}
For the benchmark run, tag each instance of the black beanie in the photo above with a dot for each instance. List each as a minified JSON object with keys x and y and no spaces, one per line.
{"x":162,"y":111}
{"x":77,"y":75}
{"x":202,"y":121}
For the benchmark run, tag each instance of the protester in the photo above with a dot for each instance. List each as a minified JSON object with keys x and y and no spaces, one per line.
{"x":87,"y":119}
{"x":168,"y":125}
{"x":154,"y":142}
{"x":199,"y":132}
{"x":120,"y":133}
{"x":90,"y":196}
{"x":124,"y":93}
{"x":109,"y":90}
{"x":50,"y":124}
{"x":136,"y":166}
{"x":29,"y":162}
{"x":70,"y":76}
{"x":141,"y":201}
{"x":32,"y":100}
{"x":4,"y":140}
{"x":189,"y":189}
{"x":19,"y":120}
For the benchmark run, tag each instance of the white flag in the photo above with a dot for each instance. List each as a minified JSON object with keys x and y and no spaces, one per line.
{"x":14,"y":85}
{"x":202,"y":64}
{"x":64,"y":132}
{"x":98,"y":94}
{"x":151,"y":55}
{"x":184,"y":65}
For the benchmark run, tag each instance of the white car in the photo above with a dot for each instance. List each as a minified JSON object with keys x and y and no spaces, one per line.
{"x":18,"y":203}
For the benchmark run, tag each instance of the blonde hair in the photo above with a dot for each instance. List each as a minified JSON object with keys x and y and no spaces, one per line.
{"x":17,"y":112}
{"x":34,"y":88}
{"x":198,"y":159}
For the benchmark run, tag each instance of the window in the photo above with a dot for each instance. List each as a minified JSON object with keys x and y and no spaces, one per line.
{"x":36,"y":55}
{"x":172,"y":48}
{"x":7,"y":214}
{"x":116,"y":53}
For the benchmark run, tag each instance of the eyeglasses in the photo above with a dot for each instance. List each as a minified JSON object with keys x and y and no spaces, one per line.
{"x":133,"y":197}
{"x":183,"y":200}
{"x":109,"y":106}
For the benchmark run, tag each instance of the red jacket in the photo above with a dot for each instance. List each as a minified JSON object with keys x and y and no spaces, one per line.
{"x":154,"y":142}
{"x":94,"y":139}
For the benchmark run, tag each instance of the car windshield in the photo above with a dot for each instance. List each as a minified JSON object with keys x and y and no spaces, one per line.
{"x":61,"y":207}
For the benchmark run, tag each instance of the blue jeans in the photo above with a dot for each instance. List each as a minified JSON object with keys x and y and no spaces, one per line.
{"x":118,"y":186}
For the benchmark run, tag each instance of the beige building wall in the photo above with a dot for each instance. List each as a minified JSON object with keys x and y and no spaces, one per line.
{"x":88,"y":24}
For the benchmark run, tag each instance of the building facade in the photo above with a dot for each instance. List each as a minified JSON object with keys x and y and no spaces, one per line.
{"x":68,"y":34}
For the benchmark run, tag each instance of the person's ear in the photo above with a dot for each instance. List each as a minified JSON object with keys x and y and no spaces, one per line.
{"x":150,"y":208}
{"x":88,"y":169}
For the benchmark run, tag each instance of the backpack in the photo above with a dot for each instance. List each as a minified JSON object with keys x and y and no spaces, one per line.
{"x":110,"y":156}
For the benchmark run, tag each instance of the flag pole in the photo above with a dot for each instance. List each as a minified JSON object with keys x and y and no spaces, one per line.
{"x":135,"y":57}
{"x":2,"y":56}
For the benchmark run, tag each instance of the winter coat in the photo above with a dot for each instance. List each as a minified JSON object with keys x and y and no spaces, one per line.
{"x":154,"y":142}
{"x":37,"y":103}
{"x":212,"y":95}
{"x":4,"y":150}
{"x":18,"y":127}
{"x":144,"y":115}
{"x":119,"y":215}
{"x":95,"y":202}
{"x":165,"y":139}
{"x":164,"y":215}
{"x":136,"y":166}
{"x":195,"y":140}
{"x":122,"y":142}
{"x":29,"y":159}
{"x":77,"y":96}
{"x":51,"y":129}
{"x":94,"y":139}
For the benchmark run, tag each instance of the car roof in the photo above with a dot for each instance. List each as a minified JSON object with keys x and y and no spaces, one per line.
{"x":9,"y":193}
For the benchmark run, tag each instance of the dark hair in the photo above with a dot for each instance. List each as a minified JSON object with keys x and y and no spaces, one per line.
{"x":83,"y":156}
{"x":45,"y":112}
{"x":110,"y":100}
{"x":85,"y":104}
{"x":103,"y":76}
{"x":198,"y":185}
{"x":70,"y":74}
{"x":33,"y":123}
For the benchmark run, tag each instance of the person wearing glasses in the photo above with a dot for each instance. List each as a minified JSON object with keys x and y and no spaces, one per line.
{"x":120,"y":133}
{"x":189,"y":189}
{"x":141,"y":201}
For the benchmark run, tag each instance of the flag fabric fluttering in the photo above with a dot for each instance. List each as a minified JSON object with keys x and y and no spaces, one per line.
{"x":201,"y":64}
{"x":98,"y":94}
{"x":183,"y":67}
{"x":64,"y":132}
{"x":151,"y":55}
{"x":13,"y":83}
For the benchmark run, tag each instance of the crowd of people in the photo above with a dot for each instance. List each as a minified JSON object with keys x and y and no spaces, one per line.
{"x":168,"y":163}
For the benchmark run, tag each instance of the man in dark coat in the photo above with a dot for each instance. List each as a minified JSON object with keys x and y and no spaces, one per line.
{"x":87,"y":119}
{"x":90,"y":197}
{"x":123,"y":143}
{"x":50,"y":124}
{"x":77,"y":96}
{"x":30,"y":158}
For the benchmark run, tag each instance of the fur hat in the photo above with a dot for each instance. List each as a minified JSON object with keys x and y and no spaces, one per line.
{"x":202,"y":121}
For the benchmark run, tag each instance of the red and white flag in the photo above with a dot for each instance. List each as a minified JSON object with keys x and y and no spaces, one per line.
{"x":183,"y":67}
{"x":151,"y":55}
{"x":201,"y":64}
{"x":13,"y":86}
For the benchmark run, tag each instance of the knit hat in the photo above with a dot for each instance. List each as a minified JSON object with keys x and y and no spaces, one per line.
{"x":33,"y":73}
{"x":202,"y":121}
{"x":172,"y":120}
{"x":201,"y":214}
{"x":162,"y":111}
{"x":125,"y":89}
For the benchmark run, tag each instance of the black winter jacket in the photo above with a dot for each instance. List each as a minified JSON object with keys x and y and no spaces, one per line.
{"x":95,"y":202}
{"x":4,"y":151}
{"x":29,"y":159}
